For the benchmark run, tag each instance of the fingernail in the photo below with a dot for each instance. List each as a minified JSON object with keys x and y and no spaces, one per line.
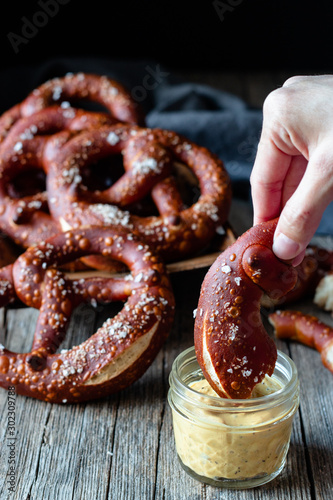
{"x":284,"y":247}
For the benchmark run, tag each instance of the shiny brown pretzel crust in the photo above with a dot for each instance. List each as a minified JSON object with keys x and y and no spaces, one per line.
{"x":177,"y":231}
{"x":85,"y":87}
{"x":121,"y":350}
{"x":307,"y":330}
{"x":232,"y":346}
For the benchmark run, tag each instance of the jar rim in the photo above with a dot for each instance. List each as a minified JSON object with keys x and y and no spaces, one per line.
{"x":284,"y":362}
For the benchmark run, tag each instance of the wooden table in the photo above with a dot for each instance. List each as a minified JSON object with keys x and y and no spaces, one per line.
{"x":122,"y":447}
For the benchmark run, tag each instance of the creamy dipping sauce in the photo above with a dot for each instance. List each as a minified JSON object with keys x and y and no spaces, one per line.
{"x":233,"y":445}
{"x":267,"y":386}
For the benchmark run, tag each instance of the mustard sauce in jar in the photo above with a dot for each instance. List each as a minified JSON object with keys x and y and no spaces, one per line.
{"x":233,"y":443}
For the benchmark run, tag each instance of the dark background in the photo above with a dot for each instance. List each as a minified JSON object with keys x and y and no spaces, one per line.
{"x":260,"y":42}
{"x":247,"y":35}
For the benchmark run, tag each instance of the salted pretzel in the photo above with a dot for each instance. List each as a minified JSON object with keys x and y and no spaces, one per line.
{"x":309,"y":274}
{"x":76,"y":88}
{"x":232,"y":346}
{"x":175,"y":231}
{"x":306,"y":329}
{"x":73,"y":87}
{"x":26,"y":152}
{"x":121,"y":349}
{"x":314,"y":279}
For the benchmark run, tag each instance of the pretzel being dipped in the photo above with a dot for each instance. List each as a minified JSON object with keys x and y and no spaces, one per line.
{"x":306,"y":329}
{"x":177,"y":230}
{"x":121,"y":349}
{"x":232,"y":346}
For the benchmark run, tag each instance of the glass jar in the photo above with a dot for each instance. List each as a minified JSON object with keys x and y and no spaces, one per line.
{"x":232,"y":443}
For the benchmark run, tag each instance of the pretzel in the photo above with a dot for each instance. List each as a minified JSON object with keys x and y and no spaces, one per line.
{"x":312,"y":281}
{"x":177,"y":231}
{"x":78,"y":87}
{"x":307,"y":330}
{"x":232,"y":346}
{"x":121,"y":349}
{"x":309,"y":274}
{"x":89,"y":87}
{"x":27,"y":149}
{"x":24,"y":217}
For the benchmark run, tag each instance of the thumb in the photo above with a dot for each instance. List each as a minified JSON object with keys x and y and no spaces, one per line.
{"x":302,"y":213}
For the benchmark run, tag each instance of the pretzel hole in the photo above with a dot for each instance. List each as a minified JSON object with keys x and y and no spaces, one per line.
{"x":88,"y":269}
{"x":144,"y":208}
{"x":81,"y":326}
{"x":187,"y":183}
{"x":102,"y":174}
{"x":27,"y":183}
{"x":85,"y":104}
{"x":85,"y":321}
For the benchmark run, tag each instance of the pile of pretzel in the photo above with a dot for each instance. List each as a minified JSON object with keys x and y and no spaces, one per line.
{"x":97,"y":190}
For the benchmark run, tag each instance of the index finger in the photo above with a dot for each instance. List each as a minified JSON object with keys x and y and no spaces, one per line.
{"x":267,"y":178}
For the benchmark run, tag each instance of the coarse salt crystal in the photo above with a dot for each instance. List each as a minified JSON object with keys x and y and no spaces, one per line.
{"x":112,"y":138}
{"x":18,"y":146}
{"x":226,"y":269}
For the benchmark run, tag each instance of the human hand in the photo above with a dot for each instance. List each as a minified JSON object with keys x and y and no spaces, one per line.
{"x":292,"y":176}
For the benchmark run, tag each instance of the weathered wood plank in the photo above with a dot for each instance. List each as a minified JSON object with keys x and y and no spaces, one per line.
{"x":74,"y":457}
{"x":136,"y":438}
{"x":172,"y":482}
{"x":316,"y":409}
{"x":30,"y":417}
